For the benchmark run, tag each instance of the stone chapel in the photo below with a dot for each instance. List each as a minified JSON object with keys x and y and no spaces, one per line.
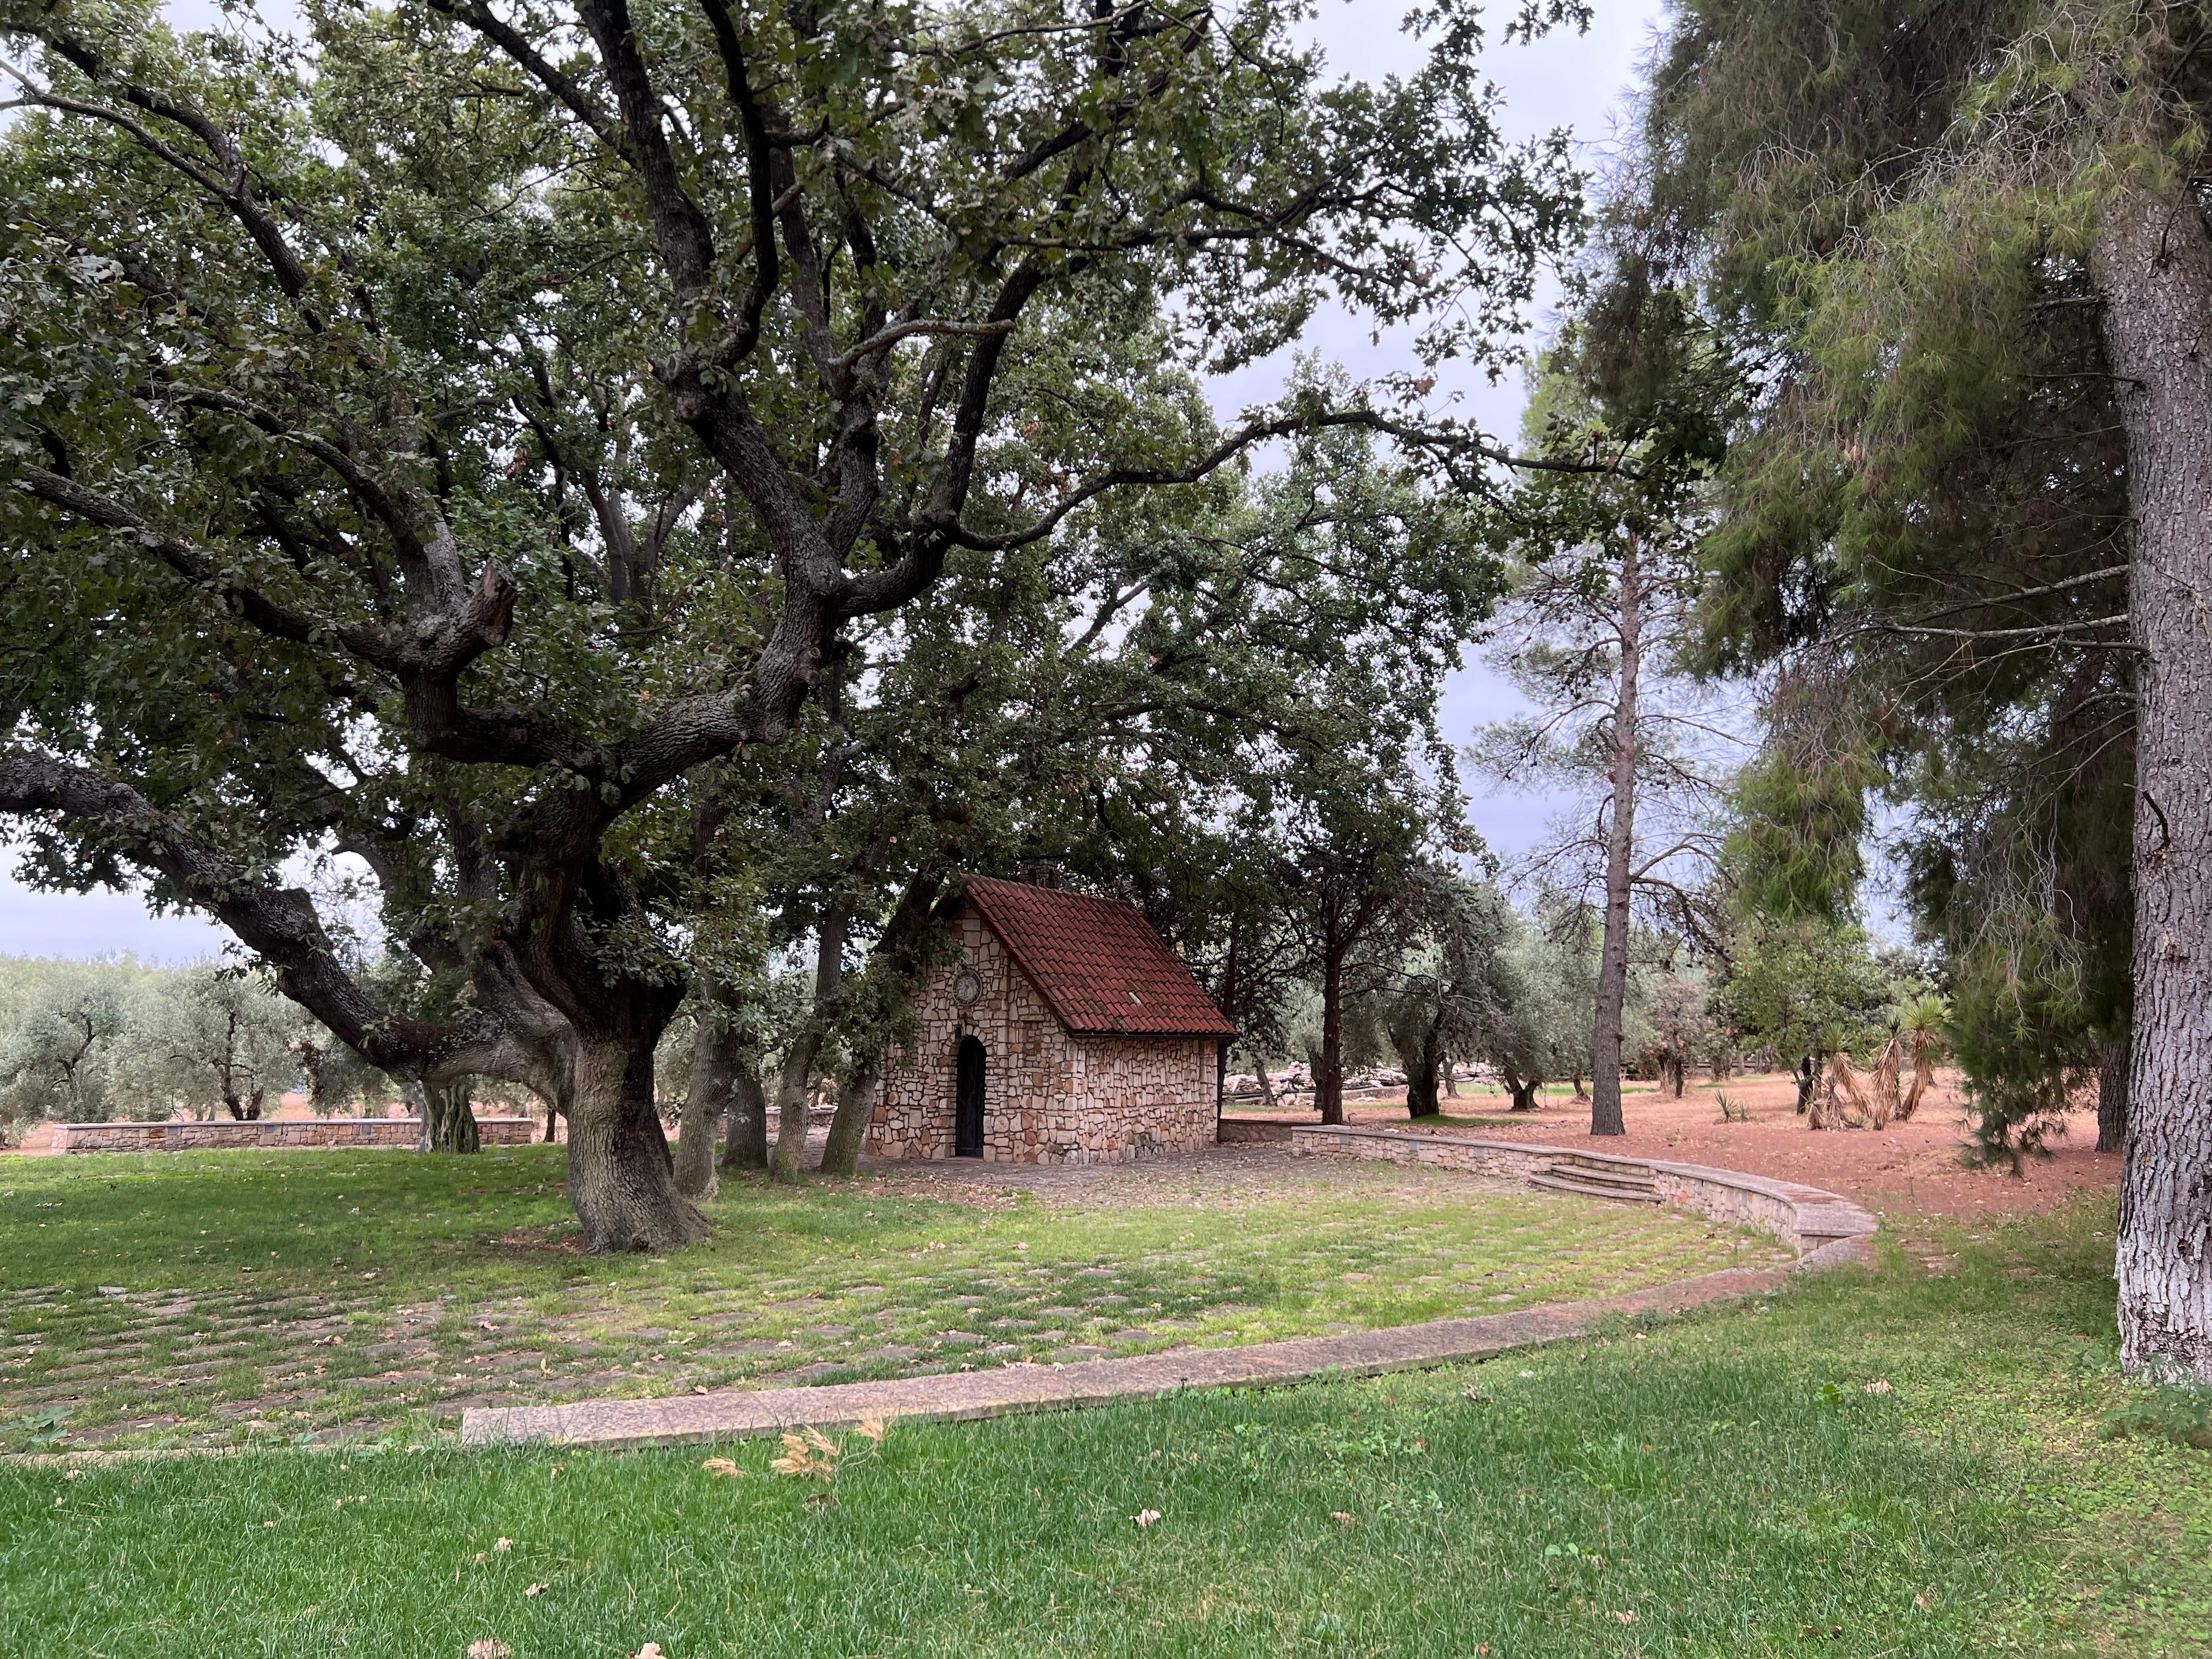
{"x":1063,"y":1031}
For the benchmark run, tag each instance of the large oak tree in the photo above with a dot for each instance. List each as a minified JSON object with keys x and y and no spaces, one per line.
{"x":447,"y":439}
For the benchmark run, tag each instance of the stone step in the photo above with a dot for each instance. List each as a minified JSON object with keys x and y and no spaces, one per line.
{"x":1563,"y":1182}
{"x":1604,"y":1172}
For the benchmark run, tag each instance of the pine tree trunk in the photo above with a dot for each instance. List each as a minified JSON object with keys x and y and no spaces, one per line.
{"x":621,"y":1178}
{"x":2113,"y":1098}
{"x":745,"y":1145}
{"x":1620,"y":841}
{"x":848,"y":1128}
{"x":2153,"y":266}
{"x":1328,"y":1064}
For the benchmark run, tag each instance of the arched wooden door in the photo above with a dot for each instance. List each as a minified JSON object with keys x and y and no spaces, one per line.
{"x":968,"y":1101}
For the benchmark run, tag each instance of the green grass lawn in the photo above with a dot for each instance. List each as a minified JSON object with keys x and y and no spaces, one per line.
{"x":177,"y":1299}
{"x":1721,"y":1486}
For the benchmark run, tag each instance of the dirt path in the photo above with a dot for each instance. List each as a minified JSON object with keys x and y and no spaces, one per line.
{"x":1915,"y":1168}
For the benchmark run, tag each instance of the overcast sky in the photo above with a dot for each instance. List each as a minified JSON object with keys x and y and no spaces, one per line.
{"x":1569,"y":80}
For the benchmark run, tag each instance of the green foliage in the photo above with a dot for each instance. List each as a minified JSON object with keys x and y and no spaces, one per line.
{"x":606,"y":469}
{"x":216,"y":1039}
{"x":61,"y":1023}
{"x":1807,"y":988}
{"x":1799,"y":820}
{"x":1925,"y":513}
{"x":86,"y":1041}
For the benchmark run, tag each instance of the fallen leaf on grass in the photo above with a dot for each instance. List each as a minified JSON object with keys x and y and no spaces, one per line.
{"x":1880,"y":1385}
{"x":504,"y":1544}
{"x":1340,"y":1518}
{"x":650,"y":1651}
{"x":332,"y":1341}
{"x":723,"y":1466}
{"x":1622,"y":1617}
{"x":489,"y":1648}
{"x":540,"y":1589}
{"x":1145,"y":1517}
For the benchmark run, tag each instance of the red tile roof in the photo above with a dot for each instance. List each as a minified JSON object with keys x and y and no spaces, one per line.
{"x":1097,"y":961}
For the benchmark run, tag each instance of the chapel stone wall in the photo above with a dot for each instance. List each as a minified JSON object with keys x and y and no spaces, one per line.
{"x":1048,"y":1097}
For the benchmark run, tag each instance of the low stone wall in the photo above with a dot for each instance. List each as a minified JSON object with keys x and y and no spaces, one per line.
{"x":1235,"y":1130}
{"x":1807,"y":1218}
{"x":269,"y":1132}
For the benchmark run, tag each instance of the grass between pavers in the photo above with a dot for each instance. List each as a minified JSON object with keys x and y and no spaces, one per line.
{"x":1725,"y":1485}
{"x":182,"y":1298}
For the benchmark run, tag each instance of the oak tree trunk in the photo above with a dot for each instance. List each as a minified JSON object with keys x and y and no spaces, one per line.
{"x":1259,"y":1075}
{"x":1328,"y":1064}
{"x":794,"y":1081}
{"x":796,"y":1078}
{"x":1620,"y":841}
{"x":448,"y":1118}
{"x":714,"y":1062}
{"x":1421,"y":1068}
{"x":848,"y":1127}
{"x":2113,"y":1098}
{"x":745,"y":1144}
{"x":2153,"y":268}
{"x":620,"y":1177}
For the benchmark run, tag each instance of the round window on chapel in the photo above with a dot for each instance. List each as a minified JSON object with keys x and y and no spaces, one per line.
{"x":966,"y":988}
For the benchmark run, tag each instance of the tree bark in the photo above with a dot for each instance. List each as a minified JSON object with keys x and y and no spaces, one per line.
{"x":745,"y":1146}
{"x":1421,"y":1068}
{"x":2152,"y":268}
{"x":1328,"y":1064}
{"x":1620,"y":841}
{"x":715,"y":1060}
{"x":2113,"y":1098}
{"x":448,"y":1118}
{"x":620,"y":1177}
{"x":1259,"y":1075}
{"x":848,"y":1128}
{"x":1805,"y":1086}
{"x":796,"y":1078}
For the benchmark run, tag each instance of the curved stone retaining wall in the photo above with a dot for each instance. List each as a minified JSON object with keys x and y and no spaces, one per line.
{"x":1811,"y":1221}
{"x":271,"y":1131}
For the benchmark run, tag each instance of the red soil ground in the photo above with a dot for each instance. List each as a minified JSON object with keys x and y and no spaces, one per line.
{"x":1910,"y":1169}
{"x":1917,"y":1168}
